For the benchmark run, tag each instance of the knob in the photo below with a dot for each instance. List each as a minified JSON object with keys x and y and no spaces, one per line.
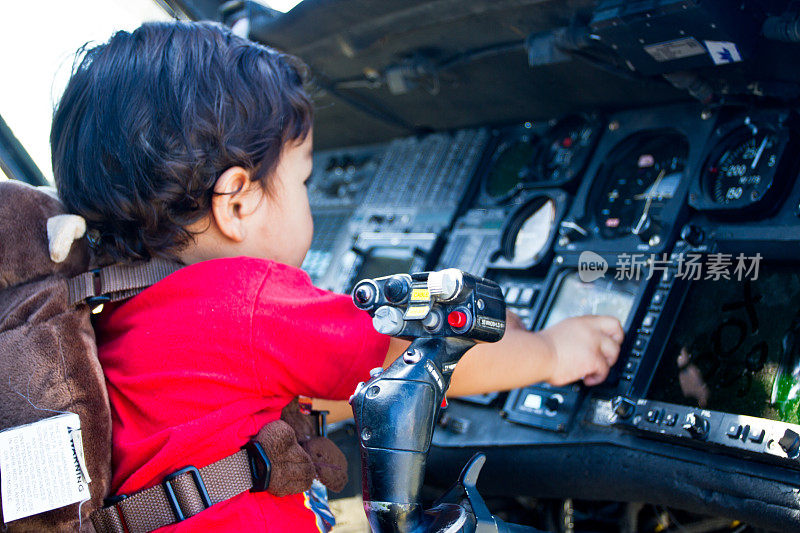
{"x":432,"y":320}
{"x":412,"y":356}
{"x":790,"y":443}
{"x":552,"y":403}
{"x":363,"y":295}
{"x":388,"y":320}
{"x":623,"y":407}
{"x":697,"y":426}
{"x":445,"y":284}
{"x":395,"y":289}
{"x":692,"y":234}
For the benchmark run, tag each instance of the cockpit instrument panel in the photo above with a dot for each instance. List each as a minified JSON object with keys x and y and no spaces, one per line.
{"x":633,"y":196}
{"x":641,"y":176}
{"x":527,"y":236}
{"x":535,"y":155}
{"x":584,"y":217}
{"x":604,"y":296}
{"x":751,"y":159}
{"x":566,"y":147}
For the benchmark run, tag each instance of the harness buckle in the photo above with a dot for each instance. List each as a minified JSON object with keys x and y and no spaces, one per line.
{"x":320,"y":417}
{"x":170,"y":492}
{"x":114,"y":500}
{"x":94,"y":302}
{"x":260,"y":467}
{"x":321,"y":421}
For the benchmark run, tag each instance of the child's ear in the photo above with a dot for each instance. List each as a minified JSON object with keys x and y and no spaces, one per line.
{"x":233,"y":201}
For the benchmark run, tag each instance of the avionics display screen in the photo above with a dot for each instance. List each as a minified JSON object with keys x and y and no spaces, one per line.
{"x":603,"y":296}
{"x":735,"y":347}
{"x":384,"y":261}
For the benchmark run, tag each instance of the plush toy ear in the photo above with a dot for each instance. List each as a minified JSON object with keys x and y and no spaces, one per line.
{"x":62,"y":230}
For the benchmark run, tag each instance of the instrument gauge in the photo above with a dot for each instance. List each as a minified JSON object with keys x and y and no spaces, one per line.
{"x":511,"y":163}
{"x":641,"y":176}
{"x":741,"y":170}
{"x":566,"y":148}
{"x":533,"y":233}
{"x":528,"y":235}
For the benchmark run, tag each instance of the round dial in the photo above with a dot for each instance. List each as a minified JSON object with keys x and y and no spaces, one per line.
{"x":566,"y":149}
{"x":527,"y":236}
{"x":642,"y":175}
{"x":510,"y":165}
{"x":742,"y":169}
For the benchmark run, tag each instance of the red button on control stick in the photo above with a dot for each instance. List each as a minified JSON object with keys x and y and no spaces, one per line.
{"x":457,"y":319}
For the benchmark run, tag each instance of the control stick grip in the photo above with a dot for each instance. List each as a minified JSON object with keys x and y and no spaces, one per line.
{"x":396,"y":409}
{"x":406,"y":395}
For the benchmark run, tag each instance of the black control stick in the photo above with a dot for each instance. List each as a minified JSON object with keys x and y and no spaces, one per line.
{"x":444,"y":313}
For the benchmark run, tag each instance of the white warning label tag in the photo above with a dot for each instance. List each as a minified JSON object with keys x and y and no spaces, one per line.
{"x":677,"y":49}
{"x":43,"y":467}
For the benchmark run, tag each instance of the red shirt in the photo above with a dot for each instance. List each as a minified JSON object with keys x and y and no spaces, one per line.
{"x":199,"y":362}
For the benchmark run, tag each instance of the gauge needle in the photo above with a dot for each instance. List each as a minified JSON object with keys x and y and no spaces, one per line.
{"x":643,"y":219}
{"x":758,"y":154}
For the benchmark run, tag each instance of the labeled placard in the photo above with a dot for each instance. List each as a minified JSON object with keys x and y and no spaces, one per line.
{"x":42,"y":467}
{"x":678,"y":49}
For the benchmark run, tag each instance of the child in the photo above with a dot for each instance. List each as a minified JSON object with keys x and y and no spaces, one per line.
{"x":183,"y":140}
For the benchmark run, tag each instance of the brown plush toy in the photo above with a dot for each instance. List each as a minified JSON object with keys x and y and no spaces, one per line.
{"x":48,"y":360}
{"x":330,"y":463}
{"x":41,"y":369}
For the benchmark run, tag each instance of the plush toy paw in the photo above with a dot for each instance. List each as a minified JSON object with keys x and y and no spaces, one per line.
{"x":329,"y":462}
{"x":292,"y":468}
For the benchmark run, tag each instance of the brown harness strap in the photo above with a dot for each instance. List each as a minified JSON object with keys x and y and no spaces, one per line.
{"x":117,"y":282}
{"x":181,"y":495}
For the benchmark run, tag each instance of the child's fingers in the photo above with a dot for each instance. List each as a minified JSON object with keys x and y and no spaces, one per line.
{"x":610,"y":326}
{"x":609,"y":348}
{"x":593,"y":379}
{"x":599,"y":375}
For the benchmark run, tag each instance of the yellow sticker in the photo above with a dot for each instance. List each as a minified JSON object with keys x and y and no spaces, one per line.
{"x":420,"y":295}
{"x":415,"y":312}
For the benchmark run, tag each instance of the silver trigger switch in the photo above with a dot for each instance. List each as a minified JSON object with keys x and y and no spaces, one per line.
{"x":445,"y":284}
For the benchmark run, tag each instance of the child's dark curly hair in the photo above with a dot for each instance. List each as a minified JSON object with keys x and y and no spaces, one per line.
{"x":151,"y":118}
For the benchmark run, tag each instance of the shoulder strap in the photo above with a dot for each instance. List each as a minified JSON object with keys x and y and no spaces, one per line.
{"x":117,"y":282}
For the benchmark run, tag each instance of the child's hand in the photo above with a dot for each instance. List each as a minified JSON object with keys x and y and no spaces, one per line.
{"x":583,"y":347}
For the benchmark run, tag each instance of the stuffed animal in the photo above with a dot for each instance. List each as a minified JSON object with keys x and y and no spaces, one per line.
{"x":330,"y":463}
{"x":48,"y":360}
{"x":42,"y":370}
